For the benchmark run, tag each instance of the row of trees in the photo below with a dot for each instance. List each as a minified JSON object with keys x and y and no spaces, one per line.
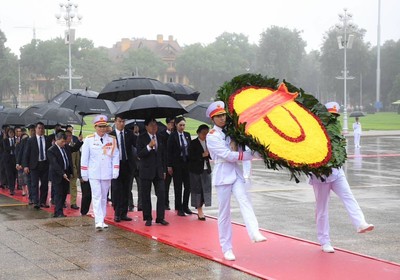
{"x":280,"y":54}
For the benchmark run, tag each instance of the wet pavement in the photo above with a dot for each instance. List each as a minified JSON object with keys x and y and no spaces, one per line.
{"x":35,"y":246}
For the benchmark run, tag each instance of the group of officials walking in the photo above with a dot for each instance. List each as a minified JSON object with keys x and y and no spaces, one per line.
{"x":112,"y":160}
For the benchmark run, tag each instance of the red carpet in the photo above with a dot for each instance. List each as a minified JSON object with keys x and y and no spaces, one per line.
{"x":280,"y":257}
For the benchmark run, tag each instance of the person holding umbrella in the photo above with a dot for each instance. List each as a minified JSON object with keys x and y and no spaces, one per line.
{"x":100,"y":164}
{"x":357,"y":133}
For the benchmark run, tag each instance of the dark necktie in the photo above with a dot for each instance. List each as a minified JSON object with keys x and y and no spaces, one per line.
{"x":123,"y":156}
{"x":11,"y":146}
{"x":184,"y":154}
{"x":41,"y":151}
{"x":101,"y":139}
{"x":154,"y":138}
{"x":225,"y":132}
{"x":66,"y":163}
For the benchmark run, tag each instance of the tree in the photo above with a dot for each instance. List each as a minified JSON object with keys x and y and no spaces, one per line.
{"x":310,"y":74}
{"x":143,"y":62}
{"x":332,"y":65}
{"x":8,"y":72}
{"x":280,"y":53}
{"x":208,"y":67}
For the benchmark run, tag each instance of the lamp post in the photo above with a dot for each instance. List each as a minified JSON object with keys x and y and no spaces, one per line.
{"x":345,"y":43}
{"x":68,"y":12}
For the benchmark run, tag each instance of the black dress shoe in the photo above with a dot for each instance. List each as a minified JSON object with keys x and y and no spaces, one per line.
{"x":188,"y":211}
{"x":60,"y":216}
{"x":201,"y":218}
{"x":74,"y":206}
{"x":163,"y":222}
{"x":130,"y":209}
{"x":167,"y":207}
{"x":148,"y":223}
{"x":12,"y":193}
{"x":117,"y":219}
{"x":30,"y":202}
{"x":37,"y":206}
{"x":139,"y":208}
{"x":181,"y":213}
{"x":126,"y":218}
{"x":44,"y":205}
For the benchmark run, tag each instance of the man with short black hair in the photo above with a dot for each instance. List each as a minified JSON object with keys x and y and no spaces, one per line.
{"x":121,"y":187}
{"x":60,"y":169}
{"x":35,"y":163}
{"x":150,"y":151}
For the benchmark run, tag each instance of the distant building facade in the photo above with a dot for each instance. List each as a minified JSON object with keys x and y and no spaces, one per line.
{"x":168,"y":50}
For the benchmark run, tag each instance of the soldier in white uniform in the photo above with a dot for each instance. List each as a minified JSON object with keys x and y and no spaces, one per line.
{"x":100,"y":164}
{"x":336,"y":182}
{"x":228,"y":178}
{"x":357,"y":133}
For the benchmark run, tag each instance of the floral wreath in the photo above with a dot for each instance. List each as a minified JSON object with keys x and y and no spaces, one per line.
{"x":289,"y":128}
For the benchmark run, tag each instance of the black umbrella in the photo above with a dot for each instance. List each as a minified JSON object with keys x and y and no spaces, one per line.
{"x":84,"y":102}
{"x":150,"y":106}
{"x":10,"y":116}
{"x":357,"y":114}
{"x":50,"y":115}
{"x":183,"y":92}
{"x":126,"y":88}
{"x":197,"y":111}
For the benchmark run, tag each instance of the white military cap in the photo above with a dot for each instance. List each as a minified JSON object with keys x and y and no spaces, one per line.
{"x":333,"y":107}
{"x":215,"y":108}
{"x":100,"y":120}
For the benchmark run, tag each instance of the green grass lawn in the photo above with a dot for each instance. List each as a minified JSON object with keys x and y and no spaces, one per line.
{"x":378,"y":121}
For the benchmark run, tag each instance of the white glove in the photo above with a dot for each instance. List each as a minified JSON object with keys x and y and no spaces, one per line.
{"x":115,"y":174}
{"x":85,"y":179}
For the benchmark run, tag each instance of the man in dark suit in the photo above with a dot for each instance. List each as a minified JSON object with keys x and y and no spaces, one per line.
{"x":35,"y":163}
{"x":60,"y":170}
{"x":150,"y":152}
{"x":121,"y":186}
{"x":9,"y":159}
{"x":165,"y":135}
{"x":178,"y":147}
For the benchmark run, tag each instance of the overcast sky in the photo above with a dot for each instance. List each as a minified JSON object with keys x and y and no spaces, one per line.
{"x":106,"y":22}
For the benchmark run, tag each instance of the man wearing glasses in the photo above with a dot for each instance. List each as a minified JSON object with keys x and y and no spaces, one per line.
{"x":100,"y":164}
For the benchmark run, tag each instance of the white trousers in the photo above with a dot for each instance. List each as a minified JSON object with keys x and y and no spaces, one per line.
{"x":224,"y":193}
{"x":100,"y":190}
{"x":342,"y":189}
{"x":357,"y":137}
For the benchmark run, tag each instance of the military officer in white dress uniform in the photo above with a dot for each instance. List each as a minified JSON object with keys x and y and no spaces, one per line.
{"x":336,"y":182}
{"x":100,"y":164}
{"x":228,"y":178}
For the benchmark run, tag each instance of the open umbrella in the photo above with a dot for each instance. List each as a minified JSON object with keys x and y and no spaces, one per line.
{"x":150,"y":106}
{"x":126,"y":88}
{"x":50,"y":115}
{"x":197,"y":111}
{"x":10,"y":116}
{"x":183,"y":92}
{"x":84,"y":102}
{"x":357,"y":114}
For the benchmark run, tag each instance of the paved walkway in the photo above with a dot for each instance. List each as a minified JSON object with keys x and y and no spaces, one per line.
{"x":35,"y":246}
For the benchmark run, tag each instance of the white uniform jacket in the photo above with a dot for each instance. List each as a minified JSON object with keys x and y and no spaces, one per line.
{"x":226,"y":168}
{"x":100,"y":160}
